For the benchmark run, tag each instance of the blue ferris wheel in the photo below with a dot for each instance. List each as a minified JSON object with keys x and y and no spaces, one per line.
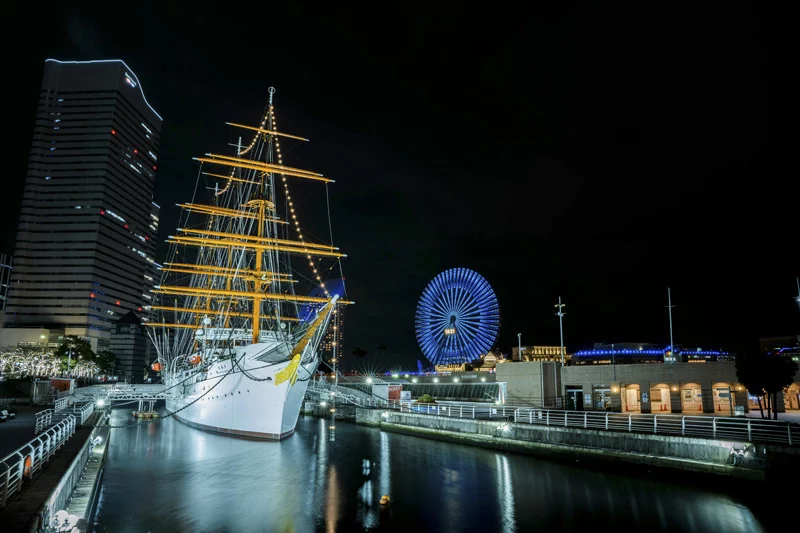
{"x":457,"y":317}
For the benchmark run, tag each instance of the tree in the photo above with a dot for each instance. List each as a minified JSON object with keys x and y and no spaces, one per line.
{"x":780,"y":371}
{"x":750,"y":373}
{"x":106,"y":361}
{"x":426,"y":398}
{"x":765,"y":375}
{"x":74,"y":348}
{"x":360,"y":353}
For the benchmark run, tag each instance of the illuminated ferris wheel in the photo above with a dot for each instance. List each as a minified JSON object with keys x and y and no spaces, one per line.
{"x":457,"y":317}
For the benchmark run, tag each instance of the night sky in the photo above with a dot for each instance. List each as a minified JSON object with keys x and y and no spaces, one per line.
{"x":582,"y":151}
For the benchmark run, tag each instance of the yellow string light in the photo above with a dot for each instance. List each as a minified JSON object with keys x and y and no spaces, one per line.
{"x":274,"y":127}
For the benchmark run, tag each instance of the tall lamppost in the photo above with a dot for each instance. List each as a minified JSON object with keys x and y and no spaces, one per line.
{"x":560,"y":315}
{"x":797,"y":279}
{"x":519,"y":346}
{"x":671,"y":342}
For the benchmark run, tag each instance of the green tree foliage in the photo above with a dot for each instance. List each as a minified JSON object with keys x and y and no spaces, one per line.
{"x":360,"y":353}
{"x":74,"y":348}
{"x":106,"y":361}
{"x":765,"y":375}
{"x":426,"y":398}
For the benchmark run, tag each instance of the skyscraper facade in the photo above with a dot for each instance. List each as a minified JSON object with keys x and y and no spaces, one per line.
{"x":131,"y":346}
{"x":334,"y":337}
{"x":86,"y":240}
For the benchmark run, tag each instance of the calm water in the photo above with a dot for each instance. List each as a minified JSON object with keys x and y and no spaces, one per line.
{"x":168,"y":477}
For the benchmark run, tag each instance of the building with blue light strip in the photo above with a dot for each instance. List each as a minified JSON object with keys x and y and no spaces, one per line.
{"x":628,"y":352}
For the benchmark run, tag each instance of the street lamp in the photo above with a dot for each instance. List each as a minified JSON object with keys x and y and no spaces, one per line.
{"x":560,"y":306}
{"x":797,"y":279}
{"x":519,"y":346}
{"x":671,"y":342}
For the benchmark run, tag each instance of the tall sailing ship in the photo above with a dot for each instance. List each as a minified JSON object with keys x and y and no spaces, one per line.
{"x":236,"y":343}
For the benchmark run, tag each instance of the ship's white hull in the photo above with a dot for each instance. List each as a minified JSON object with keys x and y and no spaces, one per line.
{"x":245,"y":404}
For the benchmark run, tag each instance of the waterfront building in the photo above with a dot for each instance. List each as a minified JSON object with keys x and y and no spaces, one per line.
{"x":485,"y":363}
{"x":786,"y":344}
{"x":639,"y":352}
{"x":639,"y":388}
{"x":131,"y":346}
{"x":537,"y":353}
{"x":85,"y":245}
{"x":685,"y":388}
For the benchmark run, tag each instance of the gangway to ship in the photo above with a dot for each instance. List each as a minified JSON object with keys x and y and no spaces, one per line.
{"x":123,"y":392}
{"x":321,"y":390}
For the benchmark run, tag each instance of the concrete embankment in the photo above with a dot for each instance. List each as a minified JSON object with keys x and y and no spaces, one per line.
{"x":707,"y":456}
{"x":68,"y":482}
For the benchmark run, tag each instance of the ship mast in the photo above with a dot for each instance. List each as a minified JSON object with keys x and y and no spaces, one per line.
{"x":223,"y":281}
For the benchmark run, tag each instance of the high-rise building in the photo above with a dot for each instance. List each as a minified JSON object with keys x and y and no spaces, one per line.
{"x":131,"y":346}
{"x":86,"y":240}
{"x":335,"y":334}
{"x":5,"y":277}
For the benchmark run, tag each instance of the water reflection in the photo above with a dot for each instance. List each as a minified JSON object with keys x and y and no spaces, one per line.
{"x":505,"y":495}
{"x":169,"y":477}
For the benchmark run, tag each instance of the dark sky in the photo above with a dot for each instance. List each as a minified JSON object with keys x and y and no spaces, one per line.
{"x":601,"y":154}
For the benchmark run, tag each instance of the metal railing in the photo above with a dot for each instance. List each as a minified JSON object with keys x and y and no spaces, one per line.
{"x":123,"y":392}
{"x":62,"y":403}
{"x":84,"y":411}
{"x":748,"y":429}
{"x":44,"y":419}
{"x":60,"y":496}
{"x":5,"y":402}
{"x":23,"y":463}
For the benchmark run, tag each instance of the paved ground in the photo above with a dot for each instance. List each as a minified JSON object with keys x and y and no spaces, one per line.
{"x":14,"y":433}
{"x":791,"y":416}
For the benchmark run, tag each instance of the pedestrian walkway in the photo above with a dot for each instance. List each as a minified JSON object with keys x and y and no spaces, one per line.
{"x":25,"y":507}
{"x":82,"y":499}
{"x":789,"y":416}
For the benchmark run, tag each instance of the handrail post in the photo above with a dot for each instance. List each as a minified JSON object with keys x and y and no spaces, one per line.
{"x":548,"y":418}
{"x":566,"y":422}
{"x":5,"y":487}
{"x":683,"y":426}
{"x":460,"y":411}
{"x":606,"y":420}
{"x":655,"y":424}
{"x":585,"y":419}
{"x":750,"y":431}
{"x":530,"y":415}
{"x":789,"y":429}
{"x":630,"y":419}
{"x":473,"y":411}
{"x":714,"y":426}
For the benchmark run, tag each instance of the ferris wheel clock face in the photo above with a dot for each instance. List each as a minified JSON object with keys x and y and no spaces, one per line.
{"x":457,"y":317}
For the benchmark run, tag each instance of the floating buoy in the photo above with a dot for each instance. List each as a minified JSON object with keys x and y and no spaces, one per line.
{"x":384,"y":499}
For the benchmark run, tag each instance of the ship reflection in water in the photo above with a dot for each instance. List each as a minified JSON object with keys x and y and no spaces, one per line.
{"x":166,"y":476}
